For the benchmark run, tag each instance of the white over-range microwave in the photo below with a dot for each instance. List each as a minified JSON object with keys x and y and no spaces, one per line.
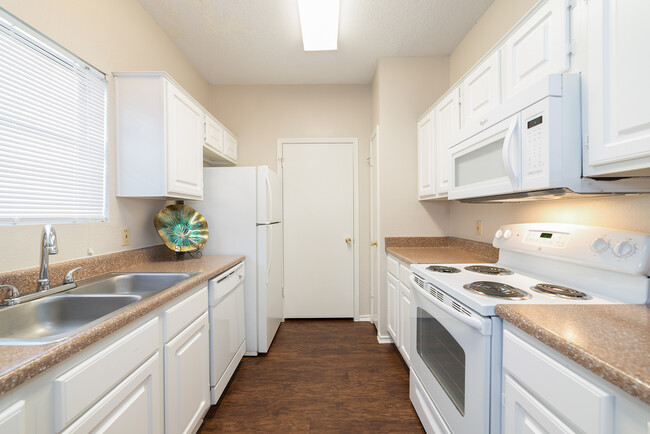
{"x":531,"y":147}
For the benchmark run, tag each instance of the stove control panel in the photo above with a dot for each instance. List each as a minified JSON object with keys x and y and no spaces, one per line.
{"x":627,"y":252}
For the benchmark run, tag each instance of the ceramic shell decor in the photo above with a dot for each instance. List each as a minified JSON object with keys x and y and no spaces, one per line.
{"x":181,"y":228}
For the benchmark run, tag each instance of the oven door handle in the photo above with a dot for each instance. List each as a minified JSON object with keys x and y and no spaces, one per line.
{"x":484,"y":326}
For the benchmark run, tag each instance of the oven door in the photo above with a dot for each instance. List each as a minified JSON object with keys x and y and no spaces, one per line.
{"x":450,"y":354}
{"x":487,"y":163}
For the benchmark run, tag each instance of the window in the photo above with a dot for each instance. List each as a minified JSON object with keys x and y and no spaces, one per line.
{"x":52,"y":131}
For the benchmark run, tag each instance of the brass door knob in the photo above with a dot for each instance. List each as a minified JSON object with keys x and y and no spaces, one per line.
{"x":373,"y":243}
{"x":348,"y":240}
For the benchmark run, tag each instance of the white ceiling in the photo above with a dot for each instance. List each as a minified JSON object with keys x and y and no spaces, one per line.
{"x":259,"y":41}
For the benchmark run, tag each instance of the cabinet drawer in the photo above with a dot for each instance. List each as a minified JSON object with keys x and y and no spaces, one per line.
{"x":133,"y":406}
{"x":83,"y":385}
{"x":221,"y":285}
{"x":392,"y":266}
{"x":404,"y":274}
{"x":570,"y":395}
{"x":184,"y":313}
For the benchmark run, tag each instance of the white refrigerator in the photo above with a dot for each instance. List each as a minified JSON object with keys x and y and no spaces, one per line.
{"x":243,"y":208}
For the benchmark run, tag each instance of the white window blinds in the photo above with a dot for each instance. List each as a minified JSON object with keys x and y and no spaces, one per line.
{"x":52,"y":131}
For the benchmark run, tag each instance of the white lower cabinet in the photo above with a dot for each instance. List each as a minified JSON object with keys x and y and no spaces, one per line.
{"x":152,"y":376}
{"x":12,"y":419}
{"x":187,"y":378}
{"x":393,"y":307}
{"x":405,"y":322}
{"x":545,"y":392}
{"x":133,"y":406}
{"x":399,"y":302}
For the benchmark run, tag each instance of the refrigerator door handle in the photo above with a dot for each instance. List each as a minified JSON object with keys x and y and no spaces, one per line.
{"x":269,"y":256}
{"x":269,"y":206}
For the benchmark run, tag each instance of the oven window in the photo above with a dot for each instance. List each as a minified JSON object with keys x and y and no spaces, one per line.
{"x":443,"y":356}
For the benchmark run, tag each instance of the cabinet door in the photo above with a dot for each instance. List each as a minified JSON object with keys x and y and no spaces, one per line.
{"x":538,"y":48}
{"x":426,"y":158}
{"x":230,"y":146}
{"x":405,"y":323}
{"x":618,"y":89}
{"x":12,"y":419}
{"x":522,"y":413}
{"x":184,"y":145}
{"x":187,"y":379}
{"x":393,"y":307}
{"x":135,"y":405}
{"x":447,"y":127}
{"x":481,"y":91}
{"x":214,"y":135}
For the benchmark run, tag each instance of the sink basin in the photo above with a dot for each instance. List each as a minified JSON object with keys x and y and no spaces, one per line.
{"x":49,"y":319}
{"x":142,"y":284}
{"x":57,"y":317}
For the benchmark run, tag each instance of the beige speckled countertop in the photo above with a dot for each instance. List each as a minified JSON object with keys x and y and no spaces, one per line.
{"x":440,"y":250}
{"x":21,"y":363}
{"x":611,"y":340}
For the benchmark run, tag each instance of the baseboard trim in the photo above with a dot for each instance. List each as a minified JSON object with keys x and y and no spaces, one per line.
{"x":364,"y":318}
{"x":384,"y":339}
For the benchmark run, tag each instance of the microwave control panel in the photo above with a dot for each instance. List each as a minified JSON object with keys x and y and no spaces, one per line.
{"x":534,"y":134}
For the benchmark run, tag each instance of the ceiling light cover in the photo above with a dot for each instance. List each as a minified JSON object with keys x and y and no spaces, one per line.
{"x":319,"y":21}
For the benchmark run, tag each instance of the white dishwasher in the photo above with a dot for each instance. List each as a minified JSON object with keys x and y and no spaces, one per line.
{"x":227,"y":327}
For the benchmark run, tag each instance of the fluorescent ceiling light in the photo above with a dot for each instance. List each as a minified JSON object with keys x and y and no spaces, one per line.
{"x":319,"y":20}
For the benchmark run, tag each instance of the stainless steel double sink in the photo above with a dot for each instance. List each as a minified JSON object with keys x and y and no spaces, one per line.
{"x":59,"y":316}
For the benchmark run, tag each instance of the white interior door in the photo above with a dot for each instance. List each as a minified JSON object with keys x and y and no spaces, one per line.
{"x":318,"y":191}
{"x":374,"y":227}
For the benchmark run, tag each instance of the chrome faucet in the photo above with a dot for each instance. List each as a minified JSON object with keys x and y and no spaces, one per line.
{"x":49,"y":247}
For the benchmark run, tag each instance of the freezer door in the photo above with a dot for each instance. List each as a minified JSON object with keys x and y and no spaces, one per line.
{"x":269,"y":283}
{"x":269,"y":196}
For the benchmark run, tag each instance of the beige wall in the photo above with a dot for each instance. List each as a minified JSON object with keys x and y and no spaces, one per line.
{"x":260,"y":115}
{"x":403,"y":88}
{"x":115,"y":35}
{"x":495,"y":22}
{"x":621,"y":212}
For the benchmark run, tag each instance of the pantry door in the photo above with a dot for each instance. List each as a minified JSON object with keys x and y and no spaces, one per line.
{"x":319,"y":191}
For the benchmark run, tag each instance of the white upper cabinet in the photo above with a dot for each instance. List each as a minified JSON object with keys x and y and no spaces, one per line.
{"x":184,"y":125}
{"x":447,"y":128}
{"x":213,"y":135}
{"x":160,"y":136}
{"x":538,"y":47}
{"x":230,"y":146}
{"x":220,"y":148}
{"x":426,"y":157}
{"x":481,"y":91}
{"x":618,"y":88}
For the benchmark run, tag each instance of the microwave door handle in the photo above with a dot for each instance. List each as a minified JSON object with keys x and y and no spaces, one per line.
{"x":506,"y":154}
{"x":480,"y":324}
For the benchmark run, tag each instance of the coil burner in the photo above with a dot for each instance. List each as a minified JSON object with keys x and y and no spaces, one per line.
{"x":559,"y":291}
{"x":487,"y":269}
{"x":497,"y":289}
{"x":443,"y":269}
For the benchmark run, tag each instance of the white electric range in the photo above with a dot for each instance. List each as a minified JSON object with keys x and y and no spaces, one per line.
{"x":456,"y":336}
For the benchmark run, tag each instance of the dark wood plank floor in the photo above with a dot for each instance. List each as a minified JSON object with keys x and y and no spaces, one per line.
{"x":319,"y":375}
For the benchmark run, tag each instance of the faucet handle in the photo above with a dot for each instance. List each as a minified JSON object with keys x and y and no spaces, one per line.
{"x":69,"y":278}
{"x":10,"y":292}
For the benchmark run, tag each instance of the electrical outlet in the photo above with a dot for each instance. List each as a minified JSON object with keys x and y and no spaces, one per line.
{"x":126,"y":236}
{"x":479,"y":227}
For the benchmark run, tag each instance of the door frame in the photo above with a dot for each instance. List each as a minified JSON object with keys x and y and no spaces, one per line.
{"x":354,"y":142}
{"x":373,"y":160}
